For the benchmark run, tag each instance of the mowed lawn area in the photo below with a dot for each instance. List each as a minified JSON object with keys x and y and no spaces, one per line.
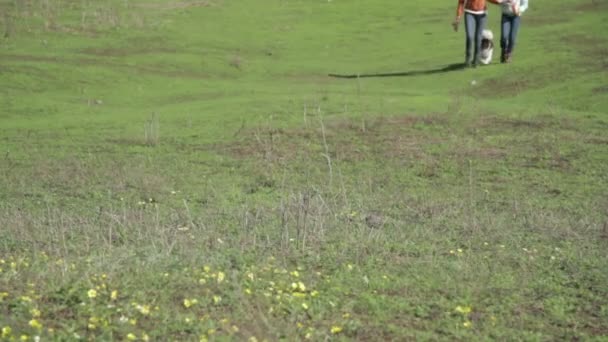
{"x":286,"y":170}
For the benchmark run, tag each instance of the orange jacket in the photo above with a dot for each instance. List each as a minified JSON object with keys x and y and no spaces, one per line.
{"x":473,"y":5}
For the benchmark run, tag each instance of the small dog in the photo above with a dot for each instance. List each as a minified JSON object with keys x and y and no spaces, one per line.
{"x":487,"y":47}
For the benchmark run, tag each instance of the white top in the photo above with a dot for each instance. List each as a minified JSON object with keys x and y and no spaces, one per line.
{"x":519,"y":5}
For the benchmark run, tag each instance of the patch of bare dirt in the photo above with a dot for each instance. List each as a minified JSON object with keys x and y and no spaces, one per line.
{"x":501,"y":87}
{"x":600,"y":90}
{"x":401,"y":137}
{"x":157,"y":69}
{"x":591,"y":6}
{"x":495,"y":122}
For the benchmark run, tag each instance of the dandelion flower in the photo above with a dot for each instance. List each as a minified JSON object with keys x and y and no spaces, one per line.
{"x":92,"y":293}
{"x":217,"y":299}
{"x":131,"y":337}
{"x":24,"y":338}
{"x":314,"y":293}
{"x":248,"y":291}
{"x":114,"y":295}
{"x":295,"y":274}
{"x":467,"y":324}
{"x":305,"y":306}
{"x":207,"y":269}
{"x":336,"y":329}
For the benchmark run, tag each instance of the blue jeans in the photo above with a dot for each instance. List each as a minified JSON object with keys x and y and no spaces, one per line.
{"x":474,"y":25}
{"x":508,"y":33}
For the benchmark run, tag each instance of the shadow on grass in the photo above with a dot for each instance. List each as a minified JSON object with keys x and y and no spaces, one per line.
{"x":447,"y":68}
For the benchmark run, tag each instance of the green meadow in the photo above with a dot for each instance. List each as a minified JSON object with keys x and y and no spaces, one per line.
{"x":286,"y":170}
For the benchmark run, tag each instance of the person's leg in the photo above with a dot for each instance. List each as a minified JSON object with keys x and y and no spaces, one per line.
{"x":505,"y":33}
{"x":513,"y":35}
{"x":469,"y":25}
{"x":481,"y":25}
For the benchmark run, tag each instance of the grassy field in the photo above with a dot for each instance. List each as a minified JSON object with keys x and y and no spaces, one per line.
{"x":188,"y":170}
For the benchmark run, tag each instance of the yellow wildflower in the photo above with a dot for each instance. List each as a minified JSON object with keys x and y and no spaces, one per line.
{"x":350,"y":267}
{"x":24,"y":338}
{"x":253,"y":339}
{"x":467,"y":324}
{"x":92,"y":293}
{"x":459,"y":250}
{"x":248,"y":291}
{"x":6,"y":332}
{"x":220,"y":277}
{"x":34,"y":323}
{"x":463,"y":309}
{"x":145,"y":337}
{"x":35,"y":312}
{"x":114,"y":295}
{"x":3,"y":295}
{"x":217,"y":299}
{"x":25,"y":299}
{"x":336,"y":329}
{"x":210,"y":332}
{"x":235,"y":329}
{"x":314,"y":293}
{"x":207,"y":269}
{"x":295,"y":274}
{"x":131,"y":337}
{"x":144,"y":309}
{"x":305,"y":306}
{"x":190,"y":302}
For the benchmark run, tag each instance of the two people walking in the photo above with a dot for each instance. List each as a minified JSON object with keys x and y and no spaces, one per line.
{"x":475,"y":19}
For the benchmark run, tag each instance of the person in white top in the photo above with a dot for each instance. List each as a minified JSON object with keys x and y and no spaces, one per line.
{"x":511,"y":17}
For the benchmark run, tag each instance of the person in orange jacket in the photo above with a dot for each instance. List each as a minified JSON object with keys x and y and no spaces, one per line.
{"x":475,"y":18}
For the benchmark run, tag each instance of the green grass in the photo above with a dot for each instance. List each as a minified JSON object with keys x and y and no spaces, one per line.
{"x":187,"y":170}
